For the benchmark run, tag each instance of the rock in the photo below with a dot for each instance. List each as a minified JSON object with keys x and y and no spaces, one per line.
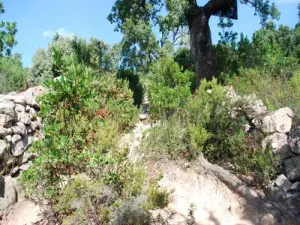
{"x":8,"y":138}
{"x":296,"y":187}
{"x":292,"y":167}
{"x":5,"y":121}
{"x":32,"y":93}
{"x":32,"y":113}
{"x":19,"y":108}
{"x":231,"y":94}
{"x":253,"y":106}
{"x":8,"y":194}
{"x":247,"y":127}
{"x":20,"y":129}
{"x":15,"y":138}
{"x":273,"y":193}
{"x":268,"y":219}
{"x":3,"y":147}
{"x":294,"y":140}
{"x":143,"y":116}
{"x":26,"y":157}
{"x":15,"y":170}
{"x":19,"y":99}
{"x":27,"y":108}
{"x":24,"y":118}
{"x":8,"y":108}
{"x":283,"y":182}
{"x":278,"y":142}
{"x":278,"y":121}
{"x":3,"y":132}
{"x":20,"y":146}
{"x":25,"y":166}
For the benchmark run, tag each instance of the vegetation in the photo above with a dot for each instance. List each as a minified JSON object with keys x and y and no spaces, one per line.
{"x":95,"y":91}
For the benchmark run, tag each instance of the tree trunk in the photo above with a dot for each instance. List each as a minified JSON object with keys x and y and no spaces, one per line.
{"x":201,"y":44}
{"x":200,"y":35}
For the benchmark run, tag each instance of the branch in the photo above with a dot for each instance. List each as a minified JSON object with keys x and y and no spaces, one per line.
{"x":213,"y":6}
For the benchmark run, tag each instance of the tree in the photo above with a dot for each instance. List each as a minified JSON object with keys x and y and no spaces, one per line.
{"x":8,"y":31}
{"x":137,"y":19}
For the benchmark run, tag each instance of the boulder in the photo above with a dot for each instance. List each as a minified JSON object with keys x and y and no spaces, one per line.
{"x":5,"y":121}
{"x":278,"y":142}
{"x":253,"y":106}
{"x":8,"y":194}
{"x":283,"y":183}
{"x":8,"y":108}
{"x":294,"y":140}
{"x":278,"y":121}
{"x":292,"y":167}
{"x":32,"y":113}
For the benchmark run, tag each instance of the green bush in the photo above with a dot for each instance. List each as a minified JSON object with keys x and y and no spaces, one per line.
{"x":81,"y":126}
{"x":169,"y":88}
{"x":13,"y":76}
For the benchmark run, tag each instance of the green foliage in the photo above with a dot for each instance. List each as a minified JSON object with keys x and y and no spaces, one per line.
{"x":78,"y":105}
{"x":134,"y":84}
{"x":8,"y":31}
{"x":95,"y":54}
{"x":13,"y":76}
{"x":169,"y":88}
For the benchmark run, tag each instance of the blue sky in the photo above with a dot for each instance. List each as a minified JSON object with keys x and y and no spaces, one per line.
{"x":37,"y":20}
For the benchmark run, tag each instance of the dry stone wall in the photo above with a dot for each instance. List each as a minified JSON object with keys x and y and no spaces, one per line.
{"x":19,"y":127}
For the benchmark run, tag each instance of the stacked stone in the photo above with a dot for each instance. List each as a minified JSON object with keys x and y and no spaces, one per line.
{"x":284,"y":142}
{"x":19,"y":126}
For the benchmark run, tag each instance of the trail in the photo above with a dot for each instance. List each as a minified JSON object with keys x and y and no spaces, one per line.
{"x":218,"y":197}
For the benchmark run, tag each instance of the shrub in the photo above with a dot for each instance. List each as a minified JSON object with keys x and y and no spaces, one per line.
{"x":169,"y":88}
{"x":13,"y":76}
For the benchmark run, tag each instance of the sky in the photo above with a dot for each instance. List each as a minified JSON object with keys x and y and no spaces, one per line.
{"x":38,"y":20}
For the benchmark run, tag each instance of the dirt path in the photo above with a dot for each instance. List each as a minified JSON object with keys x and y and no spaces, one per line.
{"x":219,"y":198}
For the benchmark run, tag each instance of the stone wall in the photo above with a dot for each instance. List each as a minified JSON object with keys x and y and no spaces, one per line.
{"x":19,"y":127}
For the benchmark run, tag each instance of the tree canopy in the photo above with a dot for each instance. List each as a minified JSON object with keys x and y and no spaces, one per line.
{"x":141,"y":20}
{"x":8,"y":31}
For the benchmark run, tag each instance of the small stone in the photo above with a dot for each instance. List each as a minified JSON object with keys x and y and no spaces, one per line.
{"x":294,"y":140}
{"x":14,"y":170}
{"x":16,"y":138}
{"x":24,"y":118}
{"x":27,"y":108}
{"x":20,"y":129}
{"x":296,"y":186}
{"x":8,"y":108}
{"x":29,"y":128}
{"x":19,"y":108}
{"x":273,"y":193}
{"x":283,"y":182}
{"x":18,"y":148}
{"x":8,"y":138}
{"x":143,"y":116}
{"x":32,"y":113}
{"x":5,"y":121}
{"x":25,"y":166}
{"x":3,"y":132}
